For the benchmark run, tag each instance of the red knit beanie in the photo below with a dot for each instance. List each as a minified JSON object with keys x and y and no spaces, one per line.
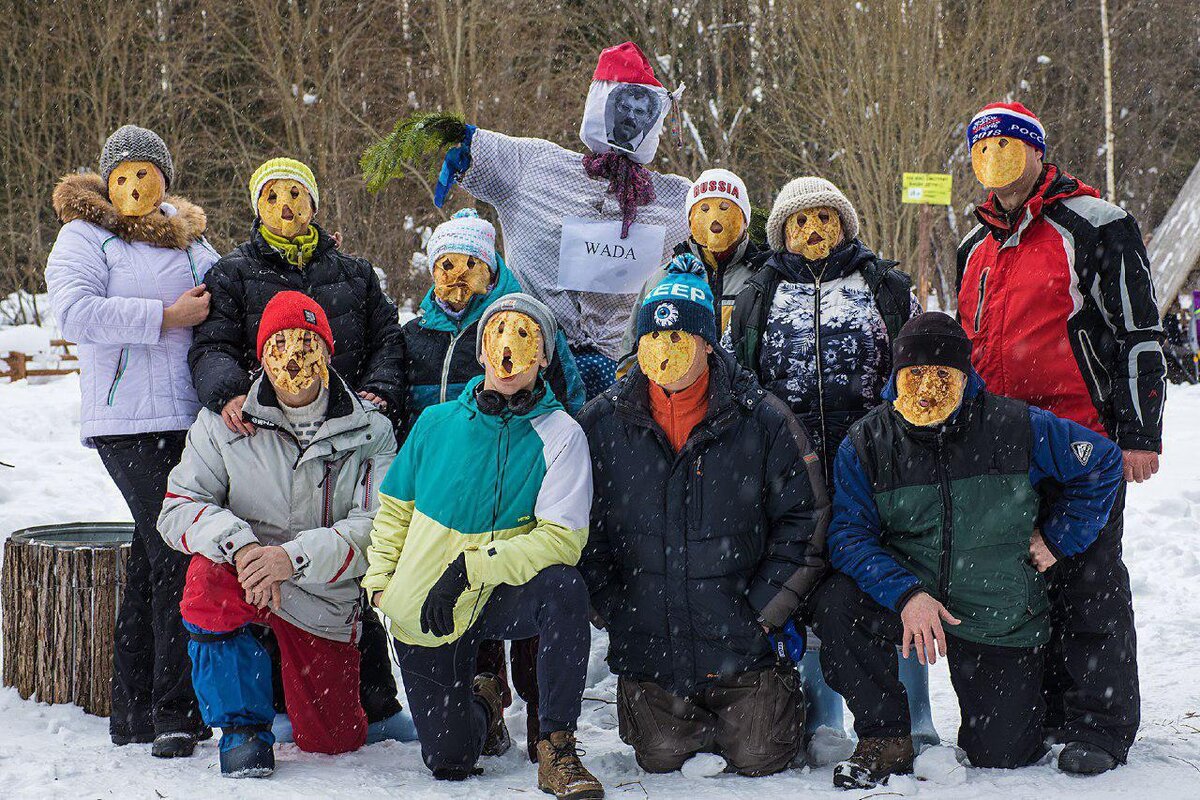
{"x":293,"y":310}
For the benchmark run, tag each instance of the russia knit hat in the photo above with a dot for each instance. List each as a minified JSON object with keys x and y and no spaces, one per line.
{"x":682,"y":301}
{"x":531,"y":307}
{"x":808,"y":192}
{"x":131,"y":143}
{"x":465,"y":232}
{"x":723,"y":184}
{"x":293,"y":309}
{"x":278,"y":168}
{"x":1007,"y":119}
{"x":932,"y":339}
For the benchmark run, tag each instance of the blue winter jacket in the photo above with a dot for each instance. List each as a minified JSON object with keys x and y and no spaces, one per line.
{"x":890,"y":522}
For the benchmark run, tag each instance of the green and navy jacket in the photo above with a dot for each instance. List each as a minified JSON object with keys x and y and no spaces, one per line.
{"x":950,"y":509}
{"x":440,"y":352}
{"x":510,"y":491}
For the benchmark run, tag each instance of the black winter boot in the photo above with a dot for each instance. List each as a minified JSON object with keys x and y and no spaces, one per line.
{"x":1081,"y":758}
{"x":177,"y":744}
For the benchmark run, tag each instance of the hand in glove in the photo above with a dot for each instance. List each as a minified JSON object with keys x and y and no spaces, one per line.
{"x":437,"y":614}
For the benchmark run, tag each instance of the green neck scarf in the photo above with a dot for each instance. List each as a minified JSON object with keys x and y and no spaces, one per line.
{"x":298,"y":251}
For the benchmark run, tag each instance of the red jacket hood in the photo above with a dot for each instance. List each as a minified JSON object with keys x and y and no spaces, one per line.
{"x":1055,"y":185}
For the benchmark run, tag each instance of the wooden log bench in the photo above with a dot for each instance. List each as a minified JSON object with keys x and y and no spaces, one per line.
{"x":19,"y":369}
{"x":59,"y":587}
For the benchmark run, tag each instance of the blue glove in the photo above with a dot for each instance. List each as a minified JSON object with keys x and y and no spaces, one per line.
{"x":789,"y":642}
{"x":457,"y":161}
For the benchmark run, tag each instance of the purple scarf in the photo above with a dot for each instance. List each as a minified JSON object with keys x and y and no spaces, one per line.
{"x":629,"y":181}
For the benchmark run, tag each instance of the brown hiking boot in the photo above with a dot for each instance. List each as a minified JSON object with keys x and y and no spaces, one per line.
{"x":873,"y":761}
{"x":487,"y":687}
{"x":561,"y":773}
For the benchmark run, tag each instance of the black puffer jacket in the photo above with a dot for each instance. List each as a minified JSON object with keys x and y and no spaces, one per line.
{"x":688,"y":551}
{"x":368,"y":345}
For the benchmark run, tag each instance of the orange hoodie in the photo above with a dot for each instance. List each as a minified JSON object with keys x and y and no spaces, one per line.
{"x":678,"y":413}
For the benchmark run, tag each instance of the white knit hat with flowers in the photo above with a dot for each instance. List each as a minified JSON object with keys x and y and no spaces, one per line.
{"x":808,"y":192}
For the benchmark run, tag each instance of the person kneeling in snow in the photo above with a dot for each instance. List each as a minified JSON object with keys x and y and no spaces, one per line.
{"x":484,"y":514}
{"x":935,"y":521}
{"x":707,"y":534}
{"x":278,"y":526}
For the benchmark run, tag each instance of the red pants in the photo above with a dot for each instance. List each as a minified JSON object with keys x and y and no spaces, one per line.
{"x":320,"y":676}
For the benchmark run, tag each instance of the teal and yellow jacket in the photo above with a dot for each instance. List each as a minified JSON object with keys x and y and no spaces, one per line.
{"x":513,"y":492}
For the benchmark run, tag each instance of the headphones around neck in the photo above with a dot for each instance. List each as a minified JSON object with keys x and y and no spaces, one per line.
{"x":495,"y":403}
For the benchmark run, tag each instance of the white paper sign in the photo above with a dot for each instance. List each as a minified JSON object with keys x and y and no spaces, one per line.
{"x":592,"y":256}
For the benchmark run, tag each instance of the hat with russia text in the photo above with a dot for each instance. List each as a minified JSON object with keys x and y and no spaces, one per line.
{"x":1007,"y":119}
{"x":682,"y":301}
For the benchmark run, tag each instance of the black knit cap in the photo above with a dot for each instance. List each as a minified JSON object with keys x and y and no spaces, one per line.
{"x":932,"y":339}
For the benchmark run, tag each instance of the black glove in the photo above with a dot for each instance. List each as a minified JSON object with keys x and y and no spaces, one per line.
{"x":437,"y":614}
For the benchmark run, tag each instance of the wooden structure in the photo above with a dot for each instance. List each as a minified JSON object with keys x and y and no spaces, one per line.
{"x":1174,"y":248}
{"x":60,"y":588}
{"x":19,"y":369}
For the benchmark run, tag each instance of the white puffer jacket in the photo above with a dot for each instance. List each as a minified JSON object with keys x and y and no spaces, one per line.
{"x":109,"y":278}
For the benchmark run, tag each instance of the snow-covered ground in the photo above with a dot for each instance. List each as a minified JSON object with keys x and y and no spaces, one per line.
{"x":59,"y":752}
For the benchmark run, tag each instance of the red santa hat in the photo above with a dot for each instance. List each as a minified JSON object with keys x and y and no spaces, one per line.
{"x":625,"y":63}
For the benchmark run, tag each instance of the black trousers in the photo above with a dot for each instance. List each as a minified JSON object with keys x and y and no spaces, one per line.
{"x":151,"y":682}
{"x":376,"y":683}
{"x":1091,"y":681}
{"x":450,"y":721}
{"x":998,"y":688}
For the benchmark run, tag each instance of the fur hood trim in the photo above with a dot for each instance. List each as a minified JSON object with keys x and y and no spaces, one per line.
{"x":85,"y":196}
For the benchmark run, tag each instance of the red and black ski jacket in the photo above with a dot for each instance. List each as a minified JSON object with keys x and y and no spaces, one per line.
{"x":1058,"y":301}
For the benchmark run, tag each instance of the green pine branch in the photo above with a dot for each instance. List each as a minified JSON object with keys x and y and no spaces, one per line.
{"x":411,"y":140}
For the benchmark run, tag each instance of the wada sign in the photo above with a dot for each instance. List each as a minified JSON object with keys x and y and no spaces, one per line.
{"x":930,"y":188}
{"x":592,"y":256}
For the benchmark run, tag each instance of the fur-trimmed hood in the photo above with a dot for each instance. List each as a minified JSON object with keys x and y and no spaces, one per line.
{"x":85,"y":196}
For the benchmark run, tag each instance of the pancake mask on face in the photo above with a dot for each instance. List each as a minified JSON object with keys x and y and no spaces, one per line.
{"x":813,"y":232}
{"x":716,"y":224}
{"x":136,"y":188}
{"x":457,"y":277}
{"x":666,"y":356}
{"x":512,"y":343}
{"x":293,"y":359}
{"x":928,"y":395}
{"x":998,"y":161}
{"x":285,"y":207}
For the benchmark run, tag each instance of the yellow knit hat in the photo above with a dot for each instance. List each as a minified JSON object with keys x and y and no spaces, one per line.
{"x":283,"y":168}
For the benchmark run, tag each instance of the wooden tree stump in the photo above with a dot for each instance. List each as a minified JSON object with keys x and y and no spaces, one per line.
{"x":60,"y":588}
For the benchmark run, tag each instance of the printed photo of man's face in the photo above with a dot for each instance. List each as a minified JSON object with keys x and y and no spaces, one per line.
{"x":629,"y":114}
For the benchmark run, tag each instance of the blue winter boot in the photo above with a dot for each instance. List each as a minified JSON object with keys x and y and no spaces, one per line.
{"x":823,"y":706}
{"x":398,"y":726}
{"x":246,"y":752}
{"x":915,"y":677}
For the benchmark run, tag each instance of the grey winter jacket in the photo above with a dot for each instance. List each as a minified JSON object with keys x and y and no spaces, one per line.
{"x":318,"y":502}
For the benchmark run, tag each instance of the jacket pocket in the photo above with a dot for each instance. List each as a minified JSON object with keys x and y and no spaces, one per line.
{"x":118,"y":373}
{"x":1036,"y":600}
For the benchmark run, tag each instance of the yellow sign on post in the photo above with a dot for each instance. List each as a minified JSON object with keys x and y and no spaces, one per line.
{"x":930,"y":188}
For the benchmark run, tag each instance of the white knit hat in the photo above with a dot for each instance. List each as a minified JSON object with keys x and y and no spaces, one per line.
{"x":465,"y":232}
{"x":808,"y":192}
{"x":720,"y":183}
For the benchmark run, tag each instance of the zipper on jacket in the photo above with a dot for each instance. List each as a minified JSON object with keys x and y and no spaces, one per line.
{"x":820,"y":374}
{"x":983,"y":276}
{"x":366,"y":484}
{"x":947,"y":514}
{"x":327,"y":497}
{"x":446,"y":363}
{"x":192,"y":265}
{"x":122,"y":362}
